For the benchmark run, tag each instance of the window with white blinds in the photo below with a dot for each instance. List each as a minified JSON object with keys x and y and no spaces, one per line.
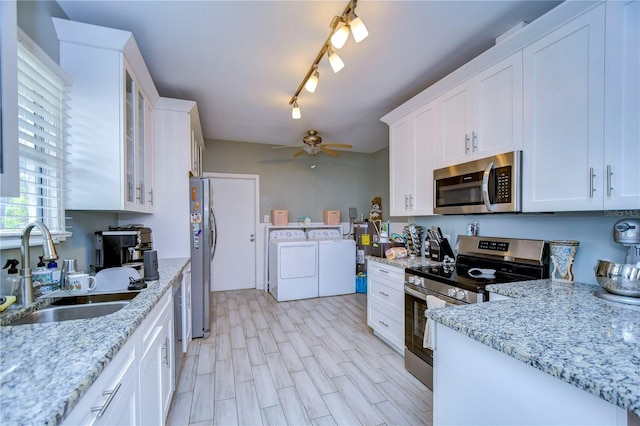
{"x":42,"y":124}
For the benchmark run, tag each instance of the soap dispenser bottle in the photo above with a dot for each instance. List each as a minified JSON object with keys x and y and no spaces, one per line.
{"x":11,"y":285}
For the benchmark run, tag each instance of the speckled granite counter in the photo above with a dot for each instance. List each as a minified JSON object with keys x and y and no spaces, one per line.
{"x":403,"y":263}
{"x":46,"y":368}
{"x":563,"y":330}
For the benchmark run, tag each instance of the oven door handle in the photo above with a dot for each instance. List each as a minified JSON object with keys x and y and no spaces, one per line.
{"x":485,"y":187}
{"x":415,"y":294}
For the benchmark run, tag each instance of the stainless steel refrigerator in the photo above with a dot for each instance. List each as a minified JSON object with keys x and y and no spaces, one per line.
{"x":203,"y":247}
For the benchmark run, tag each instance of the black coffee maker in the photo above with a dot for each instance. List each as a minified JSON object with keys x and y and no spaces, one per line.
{"x":122,"y":246}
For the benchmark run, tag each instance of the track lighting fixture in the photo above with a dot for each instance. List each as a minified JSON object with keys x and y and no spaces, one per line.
{"x":337,"y":38}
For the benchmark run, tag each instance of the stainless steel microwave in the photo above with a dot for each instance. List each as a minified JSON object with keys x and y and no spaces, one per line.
{"x":488,"y":185}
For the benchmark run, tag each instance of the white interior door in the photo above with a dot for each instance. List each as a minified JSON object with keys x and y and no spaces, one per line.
{"x":235,"y":208}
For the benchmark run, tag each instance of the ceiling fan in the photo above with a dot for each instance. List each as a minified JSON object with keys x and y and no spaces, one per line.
{"x":312,"y":145}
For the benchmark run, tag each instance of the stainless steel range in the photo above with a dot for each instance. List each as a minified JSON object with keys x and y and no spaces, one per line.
{"x":481,"y":261}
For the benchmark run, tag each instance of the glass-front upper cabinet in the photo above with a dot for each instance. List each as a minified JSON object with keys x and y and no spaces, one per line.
{"x":110,"y":163}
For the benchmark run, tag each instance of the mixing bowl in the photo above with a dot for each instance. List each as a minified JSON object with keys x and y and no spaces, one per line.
{"x":619,"y":278}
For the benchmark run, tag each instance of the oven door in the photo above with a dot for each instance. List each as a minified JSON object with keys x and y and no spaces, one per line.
{"x":419,"y":360}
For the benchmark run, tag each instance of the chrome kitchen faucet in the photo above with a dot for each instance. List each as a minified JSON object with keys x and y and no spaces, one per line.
{"x":49,"y":253}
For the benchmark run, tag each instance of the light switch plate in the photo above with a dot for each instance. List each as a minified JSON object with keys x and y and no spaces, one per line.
{"x":266,"y":218}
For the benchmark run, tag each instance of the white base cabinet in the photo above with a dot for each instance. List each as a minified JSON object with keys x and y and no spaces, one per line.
{"x":506,"y":391}
{"x":385,"y":303}
{"x":137,"y":386}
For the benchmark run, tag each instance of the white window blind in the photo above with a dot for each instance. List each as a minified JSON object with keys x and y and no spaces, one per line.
{"x":42,"y":124}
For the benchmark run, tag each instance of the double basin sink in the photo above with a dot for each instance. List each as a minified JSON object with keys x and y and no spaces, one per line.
{"x":78,"y":307}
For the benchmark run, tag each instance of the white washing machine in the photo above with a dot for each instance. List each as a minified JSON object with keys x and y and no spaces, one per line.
{"x":336,"y":262}
{"x":293,"y":265}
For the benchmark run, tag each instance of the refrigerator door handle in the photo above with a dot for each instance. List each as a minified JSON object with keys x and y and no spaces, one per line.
{"x":214,"y":234}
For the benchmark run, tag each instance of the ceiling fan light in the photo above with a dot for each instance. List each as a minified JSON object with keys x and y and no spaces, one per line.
{"x":335,"y":61}
{"x":295,"y":112}
{"x":358,"y":29}
{"x":340,"y":36}
{"x":312,"y":82}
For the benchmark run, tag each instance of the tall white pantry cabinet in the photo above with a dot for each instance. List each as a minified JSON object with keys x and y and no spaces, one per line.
{"x":110,"y":164}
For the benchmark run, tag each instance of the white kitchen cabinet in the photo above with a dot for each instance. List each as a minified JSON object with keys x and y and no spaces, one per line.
{"x":564,"y":117}
{"x":483,"y":115}
{"x":176,"y":127}
{"x":110,"y":158}
{"x":410,"y":162}
{"x":385,"y":303}
{"x":112,"y":398}
{"x":137,"y":385}
{"x":157,"y":365}
{"x":621,"y":182}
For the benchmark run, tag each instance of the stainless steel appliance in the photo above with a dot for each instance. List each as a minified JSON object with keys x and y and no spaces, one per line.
{"x":481,"y":261}
{"x":620,"y":280}
{"x":122,"y":246}
{"x":203,"y":247}
{"x":177,"y":328}
{"x":487,"y":185}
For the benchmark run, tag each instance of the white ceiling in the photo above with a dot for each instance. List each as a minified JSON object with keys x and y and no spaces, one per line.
{"x":241,"y":61}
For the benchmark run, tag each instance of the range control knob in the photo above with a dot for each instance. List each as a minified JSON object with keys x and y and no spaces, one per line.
{"x":451,"y":292}
{"x":461,"y":294}
{"x":420,"y":281}
{"x":411,"y":279}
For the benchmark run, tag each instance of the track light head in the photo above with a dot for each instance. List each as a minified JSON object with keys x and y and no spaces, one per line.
{"x":358,"y":28}
{"x":340,"y":36}
{"x":335,"y":61}
{"x":295,"y":112}
{"x":312,"y":82}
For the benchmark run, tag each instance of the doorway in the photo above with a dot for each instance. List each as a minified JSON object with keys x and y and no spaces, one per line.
{"x":235,"y":205}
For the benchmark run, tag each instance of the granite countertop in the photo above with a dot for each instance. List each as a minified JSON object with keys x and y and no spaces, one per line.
{"x":403,"y":263}
{"x":563,"y":330}
{"x":46,"y":368}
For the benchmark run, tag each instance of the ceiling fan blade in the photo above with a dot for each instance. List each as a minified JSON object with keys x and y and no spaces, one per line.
{"x":285,"y":146}
{"x":328,"y":151}
{"x":297,"y":154}
{"x":337,"y":145}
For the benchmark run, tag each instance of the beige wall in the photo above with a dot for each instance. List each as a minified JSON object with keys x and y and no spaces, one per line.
{"x":288,"y":183}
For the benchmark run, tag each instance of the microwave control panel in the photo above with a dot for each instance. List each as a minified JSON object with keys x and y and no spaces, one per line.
{"x":503,"y":185}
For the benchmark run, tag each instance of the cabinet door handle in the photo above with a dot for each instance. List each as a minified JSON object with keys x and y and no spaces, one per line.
{"x":609,"y":173}
{"x":151,"y":196}
{"x":383,"y":323}
{"x":384,"y":294}
{"x":110,"y":395}
{"x":406,"y":201}
{"x":165,"y":348}
{"x":383,"y":271}
{"x":138,"y":193}
{"x":474,"y":135}
{"x":466,"y":143}
{"x":592,"y":187}
{"x":410,"y":201}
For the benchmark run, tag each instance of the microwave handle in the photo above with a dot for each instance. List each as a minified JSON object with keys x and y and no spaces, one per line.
{"x":485,"y":187}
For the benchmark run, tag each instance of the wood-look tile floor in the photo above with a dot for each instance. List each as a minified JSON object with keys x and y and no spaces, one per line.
{"x":312,"y":361}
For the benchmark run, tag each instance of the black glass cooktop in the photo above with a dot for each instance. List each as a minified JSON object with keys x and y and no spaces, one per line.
{"x":465,"y":273}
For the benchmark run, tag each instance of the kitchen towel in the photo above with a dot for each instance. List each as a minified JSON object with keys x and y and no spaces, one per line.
{"x":429,"y":329}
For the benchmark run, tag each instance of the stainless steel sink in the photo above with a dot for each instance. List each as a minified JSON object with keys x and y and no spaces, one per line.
{"x":55,"y":313}
{"x":95,"y":298}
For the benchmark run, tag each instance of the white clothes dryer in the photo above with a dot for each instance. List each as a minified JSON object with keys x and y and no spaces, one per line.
{"x":293,"y":265}
{"x":336,"y":262}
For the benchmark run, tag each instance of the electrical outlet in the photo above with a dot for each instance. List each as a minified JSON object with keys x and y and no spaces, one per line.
{"x":266,"y":218}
